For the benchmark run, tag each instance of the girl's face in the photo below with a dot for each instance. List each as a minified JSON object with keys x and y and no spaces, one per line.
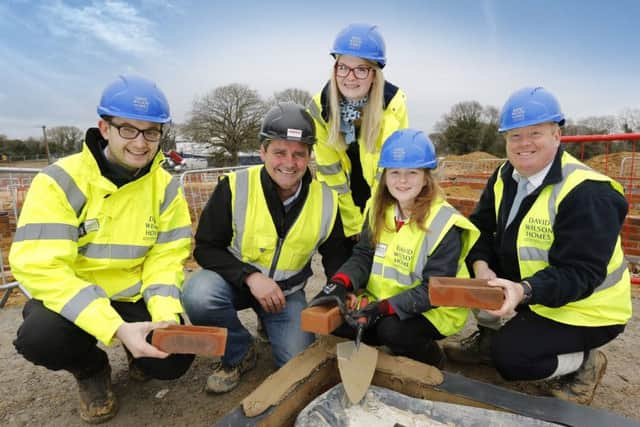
{"x":405,"y":184}
{"x":354,"y":76}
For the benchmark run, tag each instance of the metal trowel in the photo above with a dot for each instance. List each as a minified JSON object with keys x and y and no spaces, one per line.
{"x":357,"y":364}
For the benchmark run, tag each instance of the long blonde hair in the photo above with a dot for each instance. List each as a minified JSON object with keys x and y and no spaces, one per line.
{"x":371,"y":118}
{"x":420,"y":210}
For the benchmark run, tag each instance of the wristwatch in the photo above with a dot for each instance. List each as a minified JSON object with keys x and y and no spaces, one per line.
{"x":528,"y":291}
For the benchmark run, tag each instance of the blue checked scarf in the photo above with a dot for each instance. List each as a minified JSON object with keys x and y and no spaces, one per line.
{"x":349,"y":113}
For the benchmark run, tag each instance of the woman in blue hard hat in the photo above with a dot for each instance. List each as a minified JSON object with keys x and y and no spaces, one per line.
{"x":411,"y":233}
{"x":354,"y":113}
{"x":100,"y":245}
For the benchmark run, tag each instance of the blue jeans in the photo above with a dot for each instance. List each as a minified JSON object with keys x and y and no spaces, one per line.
{"x":209,"y":300}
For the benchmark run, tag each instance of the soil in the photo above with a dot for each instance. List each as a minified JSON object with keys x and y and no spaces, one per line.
{"x":34,"y":396}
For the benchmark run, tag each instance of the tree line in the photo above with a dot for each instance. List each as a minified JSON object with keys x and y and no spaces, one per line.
{"x":228,"y":119}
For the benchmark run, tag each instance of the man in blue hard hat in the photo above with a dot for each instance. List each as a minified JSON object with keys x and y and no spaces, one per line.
{"x":100,"y":245}
{"x":551,"y":240}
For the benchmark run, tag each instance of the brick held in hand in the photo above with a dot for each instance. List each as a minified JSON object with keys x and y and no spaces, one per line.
{"x":470,"y":293}
{"x":189,"y":339}
{"x":320,"y":319}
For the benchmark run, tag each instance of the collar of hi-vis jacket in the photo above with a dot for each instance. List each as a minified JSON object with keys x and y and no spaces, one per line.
{"x":390,"y":91}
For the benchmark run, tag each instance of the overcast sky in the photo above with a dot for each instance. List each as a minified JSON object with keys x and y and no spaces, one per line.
{"x":56,"y":56}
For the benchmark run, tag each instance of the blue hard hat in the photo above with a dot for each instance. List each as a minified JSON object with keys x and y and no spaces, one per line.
{"x":530,"y":106}
{"x":134,"y":97}
{"x":408,"y":148}
{"x":362,"y":41}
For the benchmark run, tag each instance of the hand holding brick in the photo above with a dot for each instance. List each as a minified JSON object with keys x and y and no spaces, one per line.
{"x":188,"y":339}
{"x":470,"y":293}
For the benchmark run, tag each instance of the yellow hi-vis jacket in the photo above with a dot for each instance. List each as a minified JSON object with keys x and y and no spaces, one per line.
{"x":610,"y":303}
{"x":81,"y":241}
{"x":255,"y":239}
{"x":400,"y":258}
{"x":334,"y":166}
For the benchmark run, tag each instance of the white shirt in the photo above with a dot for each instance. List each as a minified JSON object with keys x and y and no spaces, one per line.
{"x":535,"y":180}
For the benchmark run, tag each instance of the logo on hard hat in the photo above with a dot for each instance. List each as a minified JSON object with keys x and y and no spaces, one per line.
{"x":141,"y":103}
{"x":355,"y":42}
{"x":398,"y":154}
{"x":294,"y":134}
{"x":517,"y":114}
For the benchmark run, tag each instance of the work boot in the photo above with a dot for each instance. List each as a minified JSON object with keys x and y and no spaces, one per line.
{"x":97,"y":401}
{"x":135,"y":373}
{"x":474,"y":349}
{"x":580,"y":386}
{"x":226,"y":378}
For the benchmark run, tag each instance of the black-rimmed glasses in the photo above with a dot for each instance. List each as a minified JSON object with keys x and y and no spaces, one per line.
{"x":131,"y":132}
{"x":360,"y":72}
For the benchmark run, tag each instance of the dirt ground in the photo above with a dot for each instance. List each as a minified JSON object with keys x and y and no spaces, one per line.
{"x":34,"y":396}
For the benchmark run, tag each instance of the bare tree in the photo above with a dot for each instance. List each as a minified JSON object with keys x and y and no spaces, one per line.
{"x":299,"y":96}
{"x":228,"y":117}
{"x":168,"y":141}
{"x":629,"y":120}
{"x":65,"y":139}
{"x":469,"y":127}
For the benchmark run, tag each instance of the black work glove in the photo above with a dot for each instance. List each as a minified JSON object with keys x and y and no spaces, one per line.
{"x":334,"y":292}
{"x":371,"y":313}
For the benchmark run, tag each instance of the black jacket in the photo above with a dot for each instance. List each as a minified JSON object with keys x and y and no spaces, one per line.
{"x":585,"y":232}
{"x":214,"y":234}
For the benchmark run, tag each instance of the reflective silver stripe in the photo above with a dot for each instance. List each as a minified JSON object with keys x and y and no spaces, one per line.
{"x":437,"y":225}
{"x":327,"y":214}
{"x":529,"y":253}
{"x":279,"y":275}
{"x":396,"y":276}
{"x":557,"y":187}
{"x":331,"y":169}
{"x":340,"y":189}
{"x":378,"y":175}
{"x":376,"y":268}
{"x":43,"y":231}
{"x":101,"y":251}
{"x":81,"y":300}
{"x":393,"y":274}
{"x":129,"y":292}
{"x":240,"y":210}
{"x":162,"y":291}
{"x":75,"y":197}
{"x":296,"y":288}
{"x":314,"y":110}
{"x":170,"y":194}
{"x":613,"y":278}
{"x":175,"y":234}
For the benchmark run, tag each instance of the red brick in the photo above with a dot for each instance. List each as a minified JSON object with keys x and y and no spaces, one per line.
{"x":471,"y":293}
{"x":320,"y":319}
{"x":188,"y":339}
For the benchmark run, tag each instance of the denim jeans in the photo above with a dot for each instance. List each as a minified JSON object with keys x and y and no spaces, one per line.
{"x":209,"y":300}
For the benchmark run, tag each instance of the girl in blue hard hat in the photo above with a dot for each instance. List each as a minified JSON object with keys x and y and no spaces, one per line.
{"x":354,"y":113}
{"x":410,"y":234}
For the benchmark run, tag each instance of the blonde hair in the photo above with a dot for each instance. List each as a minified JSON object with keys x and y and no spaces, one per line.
{"x":420,"y":210}
{"x":371,"y":118}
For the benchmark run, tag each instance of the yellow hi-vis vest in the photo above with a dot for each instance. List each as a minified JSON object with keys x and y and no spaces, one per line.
{"x":610,"y":302}
{"x":81,"y":241}
{"x":334,"y":166}
{"x":255,"y":239}
{"x":400,"y":258}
